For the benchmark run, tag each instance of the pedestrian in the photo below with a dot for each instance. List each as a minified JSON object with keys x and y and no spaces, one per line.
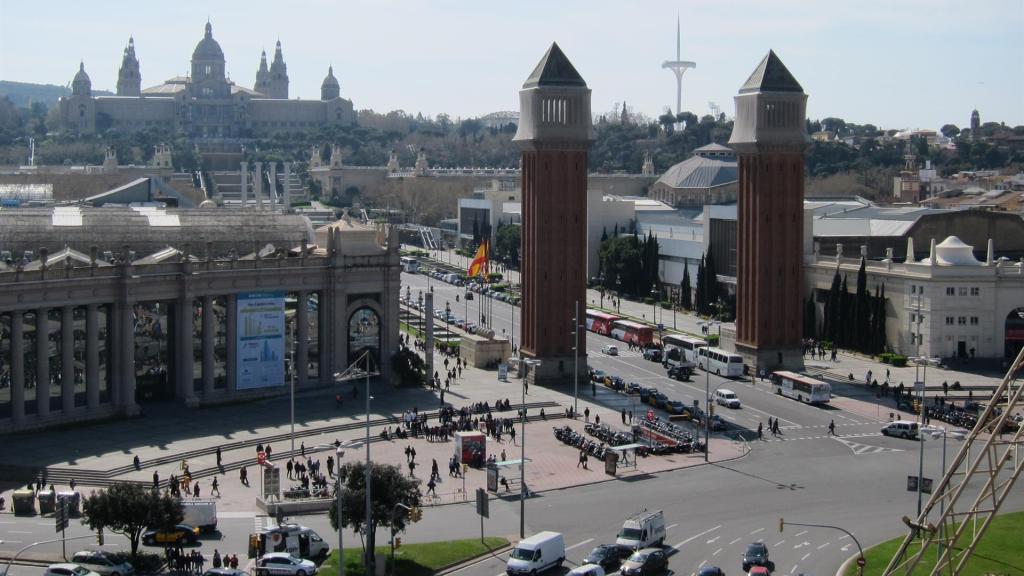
{"x":760,"y":431}
{"x":302,"y":449}
{"x":526,"y":387}
{"x":597,"y":419}
{"x":412,"y":452}
{"x":234,"y":561}
{"x":267,"y":450}
{"x":243,"y":476}
{"x":593,"y":388}
{"x":433,"y":469}
{"x":623,"y":413}
{"x":832,"y":428}
{"x":136,"y":462}
{"x":580,"y":461}
{"x":503,"y":455}
{"x":412,"y":467}
{"x":218,"y":456}
{"x":259,"y":447}
{"x":195,"y":491}
{"x":408,"y":450}
{"x":72,"y":484}
{"x":289,"y":466}
{"x":586,"y":413}
{"x":512,"y":434}
{"x":216,"y":487}
{"x":770,"y":428}
{"x":586,"y":461}
{"x":216,"y":558}
{"x":431,"y":485}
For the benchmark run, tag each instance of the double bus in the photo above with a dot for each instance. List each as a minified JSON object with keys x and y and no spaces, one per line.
{"x":632,"y":332}
{"x":679,"y":348}
{"x":801,"y":388}
{"x":599,"y":322}
{"x":410,"y":264}
{"x":720,"y":362}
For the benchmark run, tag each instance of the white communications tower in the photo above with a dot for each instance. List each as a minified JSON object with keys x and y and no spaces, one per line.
{"x":678,"y":67}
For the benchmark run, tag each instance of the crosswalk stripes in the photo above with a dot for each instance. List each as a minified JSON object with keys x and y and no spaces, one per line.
{"x":860,"y":449}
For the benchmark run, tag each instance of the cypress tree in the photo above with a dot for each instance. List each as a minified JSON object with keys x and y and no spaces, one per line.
{"x":842,"y":331}
{"x":880,"y":324}
{"x":861,"y":311}
{"x":810,"y":321}
{"x":687,"y":296}
{"x":700,"y":305}
{"x":832,"y":309}
{"x":710,"y":282}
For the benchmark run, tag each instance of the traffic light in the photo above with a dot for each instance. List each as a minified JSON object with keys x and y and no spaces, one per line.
{"x":398,"y":542}
{"x":415,"y":514}
{"x":782,"y":524}
{"x":99,"y":536}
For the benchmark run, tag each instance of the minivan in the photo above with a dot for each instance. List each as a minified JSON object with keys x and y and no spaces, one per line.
{"x":902,"y":428}
{"x":536,"y":554}
{"x":727,"y":398}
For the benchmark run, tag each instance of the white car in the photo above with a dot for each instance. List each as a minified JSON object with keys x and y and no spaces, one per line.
{"x":284,"y":564}
{"x":727,"y":398}
{"x":102,"y":563}
{"x":587,"y":570}
{"x":68,"y":570}
{"x":610,"y":349}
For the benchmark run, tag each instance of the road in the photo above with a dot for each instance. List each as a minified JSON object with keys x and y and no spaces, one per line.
{"x":855,"y":480}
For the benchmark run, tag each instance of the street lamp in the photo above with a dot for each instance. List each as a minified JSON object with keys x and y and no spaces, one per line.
{"x":935,"y":432}
{"x":522,"y":447}
{"x":618,"y":287}
{"x":707,"y":396}
{"x":654,"y":304}
{"x":339,"y":452}
{"x":447,"y":314}
{"x":920,"y":361}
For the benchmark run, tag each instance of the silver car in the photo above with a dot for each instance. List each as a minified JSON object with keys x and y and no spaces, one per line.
{"x":102,"y":563}
{"x":284,"y":564}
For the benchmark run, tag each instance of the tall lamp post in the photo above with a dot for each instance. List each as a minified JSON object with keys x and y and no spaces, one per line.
{"x":920,"y":361}
{"x":935,"y":432}
{"x":618,"y":288}
{"x":530,"y":362}
{"x":707,"y":397}
{"x":447,"y":314}
{"x":339,"y":452}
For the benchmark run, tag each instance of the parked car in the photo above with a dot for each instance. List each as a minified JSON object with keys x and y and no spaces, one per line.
{"x":587,"y":570}
{"x":645,"y":561}
{"x":680,"y":372}
{"x":645,"y":393}
{"x":710,"y":571}
{"x":633,"y":388}
{"x":658,"y":400}
{"x":718,"y":423}
{"x":652,"y":354}
{"x":225,"y":572}
{"x":284,"y":564}
{"x":66,"y":569}
{"x":605,"y":555}
{"x":676,"y":407}
{"x":610,"y":349}
{"x":180,"y":534}
{"x":756,"y":555}
{"x":595,"y":375}
{"x":102,"y":563}
{"x":759,"y":571}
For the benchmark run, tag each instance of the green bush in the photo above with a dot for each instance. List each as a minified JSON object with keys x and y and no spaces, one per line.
{"x":898,"y":360}
{"x":494,"y":277}
{"x":648,"y":300}
{"x":713,"y":340}
{"x":666,"y":304}
{"x":885,"y":358}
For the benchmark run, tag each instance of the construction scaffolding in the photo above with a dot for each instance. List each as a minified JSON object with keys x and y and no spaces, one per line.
{"x":972,"y":489}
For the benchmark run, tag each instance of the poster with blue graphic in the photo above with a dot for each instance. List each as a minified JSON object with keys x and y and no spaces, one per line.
{"x":260,"y":346}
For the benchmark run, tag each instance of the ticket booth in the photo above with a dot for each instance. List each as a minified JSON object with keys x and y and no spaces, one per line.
{"x":471,"y":448}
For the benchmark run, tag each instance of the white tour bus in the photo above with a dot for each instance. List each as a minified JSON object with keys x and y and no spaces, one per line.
{"x":686,"y":346}
{"x":800,"y":387}
{"x":720,"y":362}
{"x":410,"y":264}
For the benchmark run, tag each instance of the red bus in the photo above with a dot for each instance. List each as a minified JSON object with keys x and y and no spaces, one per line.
{"x":632,"y":332}
{"x":599,"y":322}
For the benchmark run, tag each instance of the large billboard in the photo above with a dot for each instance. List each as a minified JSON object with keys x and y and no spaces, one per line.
{"x":260,"y":347}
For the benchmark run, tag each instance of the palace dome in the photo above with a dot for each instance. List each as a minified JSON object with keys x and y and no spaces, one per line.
{"x":208,"y":48}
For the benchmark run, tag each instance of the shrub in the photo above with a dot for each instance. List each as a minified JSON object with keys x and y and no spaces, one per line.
{"x":648,"y":300}
{"x":713,"y":340}
{"x":898,"y":360}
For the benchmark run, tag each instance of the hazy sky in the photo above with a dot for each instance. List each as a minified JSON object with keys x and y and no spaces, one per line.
{"x":894,"y":63}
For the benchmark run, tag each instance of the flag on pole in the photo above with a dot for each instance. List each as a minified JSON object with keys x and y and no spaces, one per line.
{"x":478,"y":265}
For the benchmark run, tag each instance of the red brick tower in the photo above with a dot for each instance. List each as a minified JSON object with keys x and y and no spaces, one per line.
{"x":769,"y":137}
{"x":554,"y":133}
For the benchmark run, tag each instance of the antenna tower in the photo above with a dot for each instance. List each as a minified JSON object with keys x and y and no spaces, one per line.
{"x":678,"y":67}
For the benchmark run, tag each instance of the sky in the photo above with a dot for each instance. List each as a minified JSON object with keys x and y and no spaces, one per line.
{"x":892,"y":63}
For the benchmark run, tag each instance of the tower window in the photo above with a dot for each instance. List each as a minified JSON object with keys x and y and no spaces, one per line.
{"x":208,"y":70}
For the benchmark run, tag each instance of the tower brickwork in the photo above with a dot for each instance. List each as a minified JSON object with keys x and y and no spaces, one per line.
{"x":554,"y":133}
{"x":769,"y":138}
{"x":277,"y":85}
{"x":129,"y":79}
{"x":262,"y":75}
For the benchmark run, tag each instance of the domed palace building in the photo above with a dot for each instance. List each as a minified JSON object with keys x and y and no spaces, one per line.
{"x":205,"y":104}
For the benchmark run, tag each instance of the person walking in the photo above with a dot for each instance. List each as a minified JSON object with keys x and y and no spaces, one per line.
{"x":431,"y":485}
{"x":579,"y":462}
{"x":195,"y":490}
{"x":267,"y":450}
{"x":302,"y":449}
{"x":215,"y":489}
{"x":623,"y":414}
{"x":289,"y":468}
{"x":832,"y":428}
{"x":586,"y":413}
{"x":243,"y":476}
{"x":760,"y":431}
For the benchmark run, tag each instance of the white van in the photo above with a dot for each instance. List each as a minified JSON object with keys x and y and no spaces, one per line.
{"x":727,"y":398}
{"x":642,"y":530}
{"x":901,"y":428}
{"x":299,"y":541}
{"x":200,"y":513}
{"x":536,"y":554}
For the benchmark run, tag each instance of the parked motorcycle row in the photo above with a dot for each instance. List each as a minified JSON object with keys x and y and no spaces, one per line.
{"x":573,"y":438}
{"x":954,"y":415}
{"x":683,"y":439}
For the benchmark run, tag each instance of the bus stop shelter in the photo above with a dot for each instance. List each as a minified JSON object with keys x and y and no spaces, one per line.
{"x":497,"y":470}
{"x":627,"y":454}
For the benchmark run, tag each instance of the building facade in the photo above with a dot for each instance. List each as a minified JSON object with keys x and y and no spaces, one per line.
{"x":205,"y":104}
{"x":769,"y":137}
{"x":708,"y":177}
{"x":82,"y":338}
{"x":554,"y":133}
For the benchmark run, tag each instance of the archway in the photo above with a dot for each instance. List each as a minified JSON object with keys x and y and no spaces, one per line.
{"x":1014,"y":339}
{"x":363,"y":333}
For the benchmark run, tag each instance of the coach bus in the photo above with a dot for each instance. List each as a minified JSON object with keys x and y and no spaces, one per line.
{"x":410,"y":264}
{"x":801,"y":388}
{"x":679,"y":348}
{"x":632,"y":332}
{"x":599,"y":322}
{"x":718,"y":361}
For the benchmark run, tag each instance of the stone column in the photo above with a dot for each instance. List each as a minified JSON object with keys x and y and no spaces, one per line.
{"x":232,"y":335}
{"x":185,"y":361}
{"x":67,"y":358}
{"x":209,"y":338}
{"x":272,"y":193}
{"x":18,"y":365}
{"x":285,"y":188}
{"x":302,"y":336}
{"x":92,"y":356}
{"x":245,"y":184}
{"x":43,"y":362}
{"x":127,"y":365}
{"x":258,"y":185}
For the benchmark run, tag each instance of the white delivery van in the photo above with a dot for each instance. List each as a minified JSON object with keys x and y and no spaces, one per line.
{"x":641,"y":531}
{"x":536,"y":554}
{"x":201,"y":514}
{"x":299,"y":541}
{"x":901,"y":428}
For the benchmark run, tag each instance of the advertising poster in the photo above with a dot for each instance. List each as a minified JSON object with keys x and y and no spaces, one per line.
{"x":260,"y":346}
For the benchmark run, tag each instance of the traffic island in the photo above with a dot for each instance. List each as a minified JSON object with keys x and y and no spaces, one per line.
{"x":422,"y":559}
{"x":998,"y":553}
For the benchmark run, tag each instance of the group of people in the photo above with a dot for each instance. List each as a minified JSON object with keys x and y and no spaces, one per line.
{"x":817,"y":350}
{"x":182,"y":562}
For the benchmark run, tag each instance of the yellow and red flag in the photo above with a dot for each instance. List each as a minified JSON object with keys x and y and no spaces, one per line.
{"x":478,"y":266}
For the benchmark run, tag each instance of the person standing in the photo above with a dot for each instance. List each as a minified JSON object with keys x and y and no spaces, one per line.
{"x":760,"y":431}
{"x":218,"y":456}
{"x":195,"y":490}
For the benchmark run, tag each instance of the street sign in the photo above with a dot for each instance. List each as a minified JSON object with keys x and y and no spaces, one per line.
{"x":60,"y":514}
{"x":926,"y":484}
{"x":918,"y":387}
{"x":661,"y":327}
{"x":272,"y":482}
{"x":911,"y":483}
{"x":482,"y":503}
{"x":503,"y":372}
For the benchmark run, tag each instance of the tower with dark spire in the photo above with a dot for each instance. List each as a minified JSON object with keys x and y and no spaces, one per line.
{"x":975,"y":124}
{"x":129,"y":79}
{"x":81,"y":85}
{"x":262,"y":75}
{"x":769,"y":137}
{"x":330,"y":88}
{"x":277,"y":85}
{"x":554,"y":134}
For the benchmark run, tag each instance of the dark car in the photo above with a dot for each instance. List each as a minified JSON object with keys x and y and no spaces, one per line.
{"x":631,"y":388}
{"x":756,"y":555}
{"x":710,"y":571}
{"x":677,"y":407}
{"x":644,"y":562}
{"x":652,"y":354}
{"x":645,"y":394}
{"x":717,"y":423}
{"x":680,"y":372}
{"x":606,"y":556}
{"x":658,"y":399}
{"x":180,"y":534}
